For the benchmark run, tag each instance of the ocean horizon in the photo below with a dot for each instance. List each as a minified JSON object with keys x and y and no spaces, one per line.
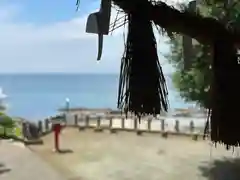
{"x":35,"y":96}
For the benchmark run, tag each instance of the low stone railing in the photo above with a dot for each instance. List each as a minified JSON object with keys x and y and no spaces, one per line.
{"x":119,"y":123}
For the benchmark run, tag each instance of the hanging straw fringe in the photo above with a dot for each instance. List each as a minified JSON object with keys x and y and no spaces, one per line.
{"x":142,"y":86}
{"x":225,"y":125}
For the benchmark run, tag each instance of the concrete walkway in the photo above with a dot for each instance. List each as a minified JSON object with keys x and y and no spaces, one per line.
{"x":126,"y":156}
{"x":19,"y":163}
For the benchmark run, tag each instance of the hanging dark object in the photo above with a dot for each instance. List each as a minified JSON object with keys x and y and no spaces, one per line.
{"x":225,"y":90}
{"x":98,"y":23}
{"x":142,"y":87}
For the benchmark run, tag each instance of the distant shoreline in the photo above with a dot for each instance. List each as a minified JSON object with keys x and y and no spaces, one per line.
{"x":176,"y":113}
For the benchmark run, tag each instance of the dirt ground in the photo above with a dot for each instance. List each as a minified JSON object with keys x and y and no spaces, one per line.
{"x":125,"y":156}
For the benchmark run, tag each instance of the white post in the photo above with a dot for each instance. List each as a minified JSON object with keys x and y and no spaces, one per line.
{"x":67,"y":105}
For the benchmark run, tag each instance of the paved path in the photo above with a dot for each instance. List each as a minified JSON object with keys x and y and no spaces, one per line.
{"x":19,"y":163}
{"x":126,"y":156}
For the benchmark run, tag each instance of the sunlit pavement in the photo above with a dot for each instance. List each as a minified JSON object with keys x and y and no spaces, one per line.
{"x":89,"y":155}
{"x":18,"y":163}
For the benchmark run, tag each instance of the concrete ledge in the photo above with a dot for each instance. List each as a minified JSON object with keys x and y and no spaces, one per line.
{"x":165,"y":134}
{"x":139,"y":132}
{"x":113,"y":130}
{"x":34,"y":142}
{"x":13,"y":137}
{"x":98,"y":129}
{"x":81,"y":128}
{"x":22,"y":140}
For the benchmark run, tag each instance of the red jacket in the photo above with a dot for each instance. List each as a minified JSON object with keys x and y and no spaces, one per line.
{"x":57,"y":128}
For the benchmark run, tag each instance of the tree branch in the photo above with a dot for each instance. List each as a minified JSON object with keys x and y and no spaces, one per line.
{"x":203,"y":29}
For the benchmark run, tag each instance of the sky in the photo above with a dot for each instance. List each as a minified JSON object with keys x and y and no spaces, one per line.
{"x":49,"y":36}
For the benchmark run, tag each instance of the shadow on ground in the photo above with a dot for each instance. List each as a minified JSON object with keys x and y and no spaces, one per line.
{"x":65,"y":151}
{"x":3,"y":169}
{"x":225,"y":169}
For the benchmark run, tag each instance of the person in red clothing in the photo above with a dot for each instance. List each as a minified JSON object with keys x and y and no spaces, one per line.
{"x":57,"y":130}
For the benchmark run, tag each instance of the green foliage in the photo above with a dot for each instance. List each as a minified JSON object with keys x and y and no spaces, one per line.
{"x":6,"y":121}
{"x":194,"y":84}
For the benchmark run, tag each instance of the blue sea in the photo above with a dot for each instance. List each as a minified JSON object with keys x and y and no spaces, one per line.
{"x":36,"y":96}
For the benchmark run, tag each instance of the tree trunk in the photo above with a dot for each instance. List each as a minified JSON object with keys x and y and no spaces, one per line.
{"x":4,"y":132}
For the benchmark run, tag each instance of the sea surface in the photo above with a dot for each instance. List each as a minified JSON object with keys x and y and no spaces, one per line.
{"x":36,"y":96}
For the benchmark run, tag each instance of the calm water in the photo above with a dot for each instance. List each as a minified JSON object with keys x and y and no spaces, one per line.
{"x":36,"y":96}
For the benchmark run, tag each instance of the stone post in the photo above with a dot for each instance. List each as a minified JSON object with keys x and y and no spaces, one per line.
{"x":46,"y":122}
{"x":149,"y":123}
{"x":40,"y":127}
{"x":110,"y":122}
{"x":98,"y":122}
{"x":162,"y":125}
{"x":177,"y":126}
{"x":191,"y":127}
{"x":75,"y":120}
{"x":123,"y":122}
{"x":135,"y":123}
{"x":87,"y":121}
